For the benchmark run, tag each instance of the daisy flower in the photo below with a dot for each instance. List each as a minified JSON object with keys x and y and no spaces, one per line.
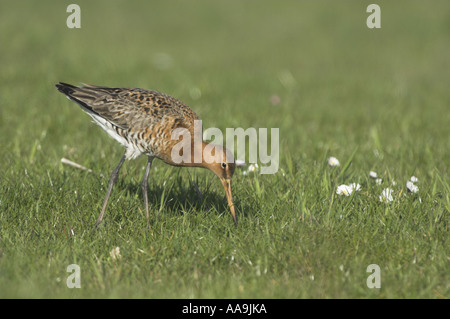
{"x":355,"y":187}
{"x":115,"y":253}
{"x":252,"y":168}
{"x":411,"y":187}
{"x":344,"y":190}
{"x":347,"y":190}
{"x":386,"y":195}
{"x":333,"y":162}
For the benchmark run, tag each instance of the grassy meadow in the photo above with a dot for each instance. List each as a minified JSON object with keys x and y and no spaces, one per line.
{"x":376,"y":99}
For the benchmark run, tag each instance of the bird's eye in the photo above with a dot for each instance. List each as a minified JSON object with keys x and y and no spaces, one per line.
{"x":224,"y":165}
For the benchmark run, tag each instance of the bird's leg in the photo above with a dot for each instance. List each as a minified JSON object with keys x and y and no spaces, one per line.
{"x":144,"y":185}
{"x":197,"y":190}
{"x":112,"y":180}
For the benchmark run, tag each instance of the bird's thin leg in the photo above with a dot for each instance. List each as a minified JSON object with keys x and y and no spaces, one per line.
{"x":197,"y":190}
{"x":144,"y":185}
{"x":112,"y":180}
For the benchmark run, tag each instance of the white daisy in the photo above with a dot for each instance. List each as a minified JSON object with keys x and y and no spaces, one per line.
{"x":355,"y":187}
{"x":252,"y":168}
{"x":333,"y":161}
{"x":386,"y":195}
{"x":344,"y":190}
{"x":373,"y":174}
{"x":411,"y":187}
{"x":115,"y":253}
{"x":347,"y":190}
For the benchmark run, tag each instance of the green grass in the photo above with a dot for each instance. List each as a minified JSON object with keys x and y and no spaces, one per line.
{"x":375,"y":99}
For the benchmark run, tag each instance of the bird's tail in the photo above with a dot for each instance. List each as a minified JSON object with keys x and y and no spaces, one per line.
{"x":66,"y":88}
{"x":77,"y":94}
{"x":86,"y":97}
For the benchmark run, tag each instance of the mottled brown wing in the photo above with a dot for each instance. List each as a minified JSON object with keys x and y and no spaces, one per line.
{"x":134,"y":109}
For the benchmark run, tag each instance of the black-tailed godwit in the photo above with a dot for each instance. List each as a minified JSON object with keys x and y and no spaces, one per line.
{"x":143,"y":122}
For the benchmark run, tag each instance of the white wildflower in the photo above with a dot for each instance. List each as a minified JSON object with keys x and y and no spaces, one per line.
{"x":411,"y":187}
{"x":373,"y":174}
{"x":115,"y":253}
{"x":386,"y":195}
{"x":344,"y":190}
{"x":414,"y":179}
{"x":347,"y":190}
{"x":378,"y":181}
{"x":333,"y":161}
{"x":355,"y":187}
{"x":252,"y":168}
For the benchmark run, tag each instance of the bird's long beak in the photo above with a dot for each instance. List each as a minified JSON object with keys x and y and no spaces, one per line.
{"x":227,"y":186}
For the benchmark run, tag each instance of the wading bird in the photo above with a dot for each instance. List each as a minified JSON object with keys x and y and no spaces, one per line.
{"x":143,"y":122}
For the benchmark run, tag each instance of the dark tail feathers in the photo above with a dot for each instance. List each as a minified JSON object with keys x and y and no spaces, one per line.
{"x":65,"y":88}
